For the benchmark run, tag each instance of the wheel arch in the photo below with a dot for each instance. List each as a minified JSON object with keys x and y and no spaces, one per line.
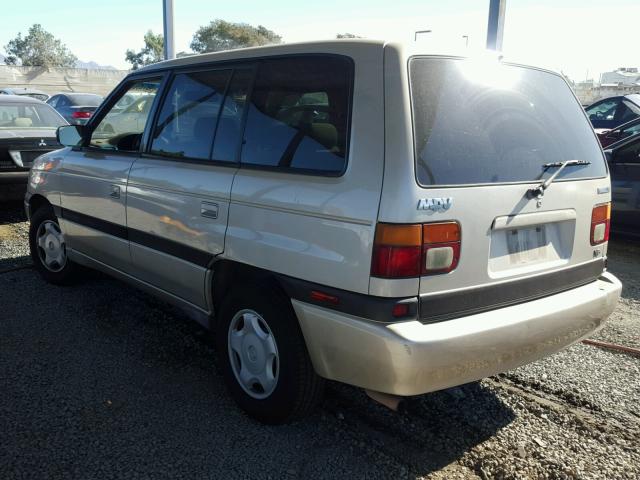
{"x":36,"y":202}
{"x":228,"y":273}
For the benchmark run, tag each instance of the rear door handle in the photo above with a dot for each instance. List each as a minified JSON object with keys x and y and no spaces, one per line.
{"x":209,"y":209}
{"x":115,"y":191}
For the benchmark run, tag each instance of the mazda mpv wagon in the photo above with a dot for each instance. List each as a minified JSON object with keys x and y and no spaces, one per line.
{"x":355,"y":211}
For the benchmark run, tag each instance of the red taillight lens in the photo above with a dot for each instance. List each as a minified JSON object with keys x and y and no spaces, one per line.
{"x":600,"y":223}
{"x":405,"y":251}
{"x":81,"y":115}
{"x":396,"y":262}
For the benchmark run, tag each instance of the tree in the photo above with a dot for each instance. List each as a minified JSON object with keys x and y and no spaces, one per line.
{"x":223,"y":35}
{"x":347,"y":35}
{"x":38,"y":48}
{"x":152,"y":52}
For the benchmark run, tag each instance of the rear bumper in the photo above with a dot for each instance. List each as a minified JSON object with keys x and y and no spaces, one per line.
{"x":411,"y":358}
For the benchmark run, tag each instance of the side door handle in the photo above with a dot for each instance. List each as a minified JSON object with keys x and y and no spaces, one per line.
{"x":209,"y":209}
{"x":115,"y":191}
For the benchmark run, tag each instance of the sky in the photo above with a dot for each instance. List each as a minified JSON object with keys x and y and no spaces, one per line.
{"x":582,"y":38}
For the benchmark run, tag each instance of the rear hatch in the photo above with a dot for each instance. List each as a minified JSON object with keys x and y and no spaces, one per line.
{"x":486,"y":135}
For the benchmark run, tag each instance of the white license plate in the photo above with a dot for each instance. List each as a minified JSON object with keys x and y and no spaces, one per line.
{"x":527,"y":244}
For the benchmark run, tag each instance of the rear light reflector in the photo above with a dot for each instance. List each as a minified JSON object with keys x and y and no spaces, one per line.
{"x":401,"y":310}
{"x":406,"y":251}
{"x":600,"y":223}
{"x":323,"y":297}
{"x":81,"y":114}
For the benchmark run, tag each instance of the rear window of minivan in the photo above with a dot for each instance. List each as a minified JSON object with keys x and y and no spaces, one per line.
{"x":484,"y":122}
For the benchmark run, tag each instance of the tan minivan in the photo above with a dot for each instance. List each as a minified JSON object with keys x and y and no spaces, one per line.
{"x":358,"y":211}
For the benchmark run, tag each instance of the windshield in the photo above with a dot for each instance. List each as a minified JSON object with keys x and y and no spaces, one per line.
{"x":479,"y":122}
{"x":14,"y":115}
{"x":86,"y":100}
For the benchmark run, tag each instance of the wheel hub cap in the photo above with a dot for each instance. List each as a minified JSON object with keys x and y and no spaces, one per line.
{"x":51,"y":246}
{"x":253,"y":354}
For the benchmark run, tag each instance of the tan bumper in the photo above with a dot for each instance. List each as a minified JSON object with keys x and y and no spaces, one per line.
{"x":411,"y":358}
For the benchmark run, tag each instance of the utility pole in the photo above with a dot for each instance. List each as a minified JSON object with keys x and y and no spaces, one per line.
{"x":495,"y":28}
{"x":169,"y":43}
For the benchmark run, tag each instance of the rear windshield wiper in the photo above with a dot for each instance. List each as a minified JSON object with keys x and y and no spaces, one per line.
{"x":538,"y":191}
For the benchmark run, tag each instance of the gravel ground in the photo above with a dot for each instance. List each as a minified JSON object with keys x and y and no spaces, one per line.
{"x":96,"y":387}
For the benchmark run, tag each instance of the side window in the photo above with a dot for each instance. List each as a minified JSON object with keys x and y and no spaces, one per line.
{"x":53,"y":101}
{"x":187,"y":121}
{"x":629,"y":112}
{"x":604,"y":110}
{"x":298,"y":114}
{"x":121,"y":129}
{"x":63,"y":102}
{"x":629,"y":153}
{"x":227,"y":141}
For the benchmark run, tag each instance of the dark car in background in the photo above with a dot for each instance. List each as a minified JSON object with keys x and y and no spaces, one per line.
{"x":76,"y":108}
{"x":27,"y":130}
{"x":612,"y":112}
{"x":27,"y":92}
{"x":609,"y":137}
{"x":624,"y":165}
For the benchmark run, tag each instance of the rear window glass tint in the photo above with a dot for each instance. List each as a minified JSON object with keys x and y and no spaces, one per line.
{"x":227,"y":142}
{"x":478,"y":122}
{"x":187,"y":122}
{"x":299,"y":113}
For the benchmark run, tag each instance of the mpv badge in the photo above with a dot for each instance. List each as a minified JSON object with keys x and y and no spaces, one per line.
{"x":435,"y":204}
{"x":42,"y":143}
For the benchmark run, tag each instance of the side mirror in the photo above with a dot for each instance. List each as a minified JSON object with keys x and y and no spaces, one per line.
{"x":70,"y":135}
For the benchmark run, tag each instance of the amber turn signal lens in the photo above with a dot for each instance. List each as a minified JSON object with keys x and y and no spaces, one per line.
{"x":392,"y":235}
{"x":600,"y":223}
{"x":444,"y":232}
{"x":601,"y":213}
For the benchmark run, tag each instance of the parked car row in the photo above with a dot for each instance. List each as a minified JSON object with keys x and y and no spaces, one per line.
{"x":76,"y":108}
{"x":27,"y":130}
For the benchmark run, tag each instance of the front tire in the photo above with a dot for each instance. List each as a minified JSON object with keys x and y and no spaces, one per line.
{"x":263,"y":356}
{"x":48,"y":248}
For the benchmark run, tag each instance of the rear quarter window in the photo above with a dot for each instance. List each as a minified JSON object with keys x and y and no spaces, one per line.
{"x":484,"y":122}
{"x":298,"y":117}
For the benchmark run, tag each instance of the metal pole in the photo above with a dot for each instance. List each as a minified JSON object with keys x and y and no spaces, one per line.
{"x":495,"y":28}
{"x":169,"y":43}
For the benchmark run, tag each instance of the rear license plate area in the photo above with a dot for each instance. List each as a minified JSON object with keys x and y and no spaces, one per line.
{"x":526,"y":244}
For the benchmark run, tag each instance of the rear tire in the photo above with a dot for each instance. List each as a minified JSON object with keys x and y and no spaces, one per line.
{"x":258,"y":332}
{"x":48,"y":248}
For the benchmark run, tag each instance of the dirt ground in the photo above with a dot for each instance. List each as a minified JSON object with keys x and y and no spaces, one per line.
{"x":99,"y":380}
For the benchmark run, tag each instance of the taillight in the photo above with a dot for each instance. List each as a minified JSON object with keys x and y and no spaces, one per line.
{"x":405,"y":251}
{"x":397,"y":251}
{"x":441,"y":247}
{"x":77,"y":114}
{"x":600,"y":223}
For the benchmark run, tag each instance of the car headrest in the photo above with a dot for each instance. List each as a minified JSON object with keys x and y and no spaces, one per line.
{"x":22,"y":122}
{"x":326,"y":134}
